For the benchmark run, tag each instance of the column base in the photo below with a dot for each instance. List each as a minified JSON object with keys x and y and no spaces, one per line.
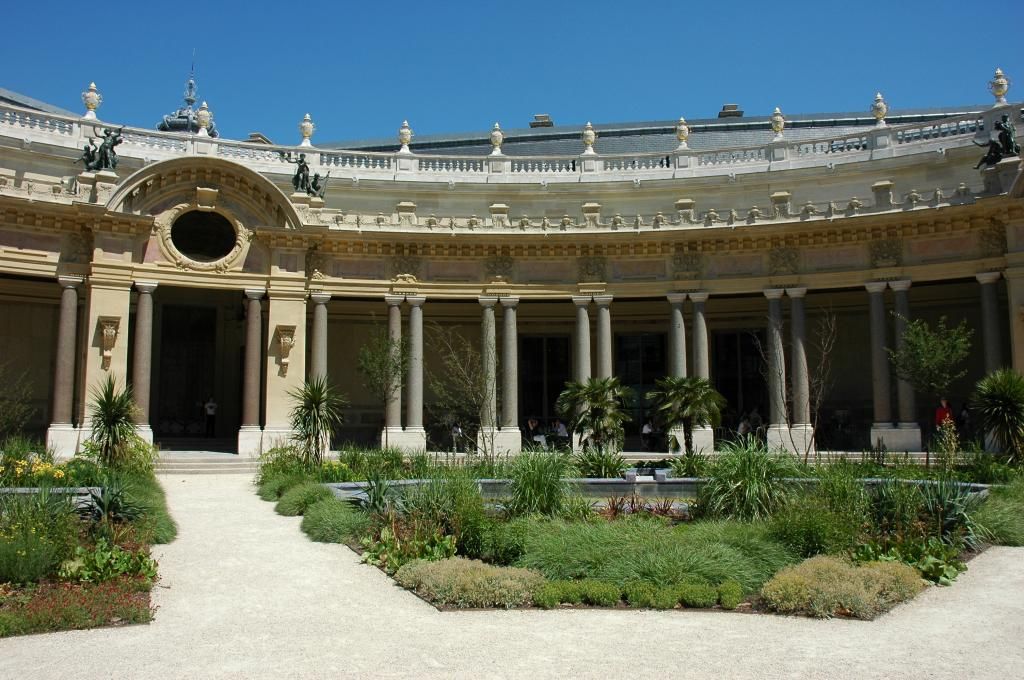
{"x":492,"y":441}
{"x":906,"y":437}
{"x":145,"y":433}
{"x":703,"y":441}
{"x":407,"y":440}
{"x":250,"y":441}
{"x":63,"y":439}
{"x":777,"y":438}
{"x":277,"y":435}
{"x":801,"y":439}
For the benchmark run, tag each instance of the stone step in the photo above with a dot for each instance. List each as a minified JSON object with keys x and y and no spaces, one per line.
{"x":206,"y":471}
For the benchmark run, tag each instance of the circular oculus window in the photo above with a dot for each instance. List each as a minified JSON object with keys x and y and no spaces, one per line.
{"x":203,"y":236}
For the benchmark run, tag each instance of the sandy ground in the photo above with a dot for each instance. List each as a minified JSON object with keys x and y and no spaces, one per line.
{"x":244,"y":594}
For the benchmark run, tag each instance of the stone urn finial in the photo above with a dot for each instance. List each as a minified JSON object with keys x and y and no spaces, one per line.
{"x":778,"y":123}
{"x":306,"y":129}
{"x":999,"y":86}
{"x":405,"y":135}
{"x":92,"y":100}
{"x":589,"y":137}
{"x":682,"y":132}
{"x":497,"y":137}
{"x":203,"y":118}
{"x":878,"y":109}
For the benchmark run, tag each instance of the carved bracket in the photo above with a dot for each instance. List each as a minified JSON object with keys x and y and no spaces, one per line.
{"x":109,"y":326}
{"x":285,"y":343}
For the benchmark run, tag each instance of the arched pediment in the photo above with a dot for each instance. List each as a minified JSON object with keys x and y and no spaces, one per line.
{"x":206,"y":182}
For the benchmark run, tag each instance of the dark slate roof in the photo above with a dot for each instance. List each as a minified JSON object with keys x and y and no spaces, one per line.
{"x":653,"y":136}
{"x":11,"y":97}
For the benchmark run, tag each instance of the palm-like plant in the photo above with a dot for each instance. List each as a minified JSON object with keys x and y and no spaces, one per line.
{"x":113,"y":421}
{"x":594,"y":410}
{"x":999,"y":404}
{"x":315,"y":416}
{"x":687,"y":402}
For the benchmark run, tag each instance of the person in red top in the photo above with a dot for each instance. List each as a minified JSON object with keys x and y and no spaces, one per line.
{"x":943,"y":412}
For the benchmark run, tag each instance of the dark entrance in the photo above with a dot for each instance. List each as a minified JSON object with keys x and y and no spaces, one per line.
{"x":543,"y":371}
{"x":739,"y":372}
{"x":640,"y":361}
{"x":187,"y":365}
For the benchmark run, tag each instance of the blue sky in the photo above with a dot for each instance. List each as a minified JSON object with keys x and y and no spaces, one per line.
{"x":360,"y":68}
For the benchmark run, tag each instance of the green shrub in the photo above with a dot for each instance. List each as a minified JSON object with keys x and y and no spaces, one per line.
{"x":998,"y":402}
{"x":746,"y":482}
{"x":104,"y":562}
{"x":698,"y":595}
{"x":113,"y":442}
{"x":599,"y":593}
{"x":666,"y":597}
{"x":366,"y":463}
{"x":730,"y":594}
{"x":599,"y":463}
{"x":536,"y":485}
{"x":459,"y":582}
{"x":505,"y":541}
{"x":83,"y":472}
{"x":808,"y":526}
{"x":577,"y":507}
{"x":641,"y":549}
{"x":825,"y":586}
{"x":570,"y":592}
{"x":690,"y":464}
{"x":37,"y":532}
{"x":154,"y":521}
{"x":1000,"y":519}
{"x":947,"y":508}
{"x":274,"y":486}
{"x":298,"y":498}
{"x":841,"y":488}
{"x":639,"y":594}
{"x":452,"y":505}
{"x":894,"y":507}
{"x":547,"y":595}
{"x":330,"y":520}
{"x":391,"y":549}
{"x":333,"y":471}
{"x":281,"y":461}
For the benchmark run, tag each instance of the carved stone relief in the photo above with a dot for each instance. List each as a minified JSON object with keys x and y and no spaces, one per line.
{"x":887,"y":252}
{"x":783,"y":261}
{"x":992,"y":240}
{"x":499,"y":266}
{"x":591,"y":269}
{"x":405,"y":264}
{"x":688,"y":265}
{"x":163,"y":223}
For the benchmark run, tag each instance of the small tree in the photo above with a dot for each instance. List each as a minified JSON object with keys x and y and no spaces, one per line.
{"x":931,"y":360}
{"x":998,"y":402}
{"x":594,"y":411}
{"x":383,"y":361}
{"x":113,"y":422}
{"x":317,"y":413}
{"x":687,"y":402}
{"x":460,"y":390}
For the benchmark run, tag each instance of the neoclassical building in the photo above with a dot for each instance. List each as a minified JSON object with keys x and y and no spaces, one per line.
{"x":201,"y":268}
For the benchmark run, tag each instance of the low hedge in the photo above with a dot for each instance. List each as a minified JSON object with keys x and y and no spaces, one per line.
{"x":330,"y":520}
{"x":296,"y":499}
{"x":458,"y":582}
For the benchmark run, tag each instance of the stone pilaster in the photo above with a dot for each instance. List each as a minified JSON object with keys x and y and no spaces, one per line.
{"x":581,"y":356}
{"x":677,"y":336}
{"x":991,"y":336}
{"x":250,"y":436}
{"x":393,"y":406}
{"x":318,"y":360}
{"x":488,"y":354}
{"x":414,"y":437}
{"x":142,"y":364}
{"x":62,"y":436}
{"x":880,"y":386}
{"x":800,"y":429}
{"x":909,"y":436}
{"x":604,"y":336}
{"x":510,"y":434}
{"x":778,"y":429}
{"x":701,"y":364}
{"x":286,"y":361}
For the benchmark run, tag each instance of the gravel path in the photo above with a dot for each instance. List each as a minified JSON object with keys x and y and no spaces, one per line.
{"x":244,"y":594}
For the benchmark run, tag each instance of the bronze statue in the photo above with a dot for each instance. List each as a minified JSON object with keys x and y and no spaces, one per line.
{"x":300,"y":181}
{"x":1007,"y":137}
{"x":88,"y":157}
{"x":106,"y":157}
{"x":317,"y":187}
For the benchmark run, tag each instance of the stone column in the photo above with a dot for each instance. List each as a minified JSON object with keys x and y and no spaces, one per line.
{"x":677,"y":336}
{"x":142,"y":364}
{"x":904,"y":390}
{"x":778,"y":429}
{"x":250,"y":435}
{"x":318,"y":363}
{"x":701,"y":363}
{"x":62,"y":436}
{"x":801,"y":430}
{"x":415,"y":438}
{"x":510,"y":367}
{"x":488,"y":354}
{"x":604,"y":336}
{"x":882,"y":430}
{"x":991,"y":337}
{"x":393,"y":405}
{"x":581,"y":372}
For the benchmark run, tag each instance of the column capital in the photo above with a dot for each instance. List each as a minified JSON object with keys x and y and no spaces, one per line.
{"x":320,"y":297}
{"x":394,"y":300}
{"x":67,"y":281}
{"x":509,"y":302}
{"x":255,"y":293}
{"x":987,"y":277}
{"x":900,"y":286}
{"x":582,"y":300}
{"x":774,"y":293}
{"x":415,"y":300}
{"x":676,"y":298}
{"x":603,"y":300}
{"x":876,"y":286}
{"x":487,"y":301}
{"x":145,"y":286}
{"x":796,"y":292}
{"x":700,"y":296}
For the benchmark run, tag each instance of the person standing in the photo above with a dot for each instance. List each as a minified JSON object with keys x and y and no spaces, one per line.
{"x":943,"y":413}
{"x":210,"y":408}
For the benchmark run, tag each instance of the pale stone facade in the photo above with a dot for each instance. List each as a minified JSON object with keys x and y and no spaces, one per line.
{"x":578,"y":252}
